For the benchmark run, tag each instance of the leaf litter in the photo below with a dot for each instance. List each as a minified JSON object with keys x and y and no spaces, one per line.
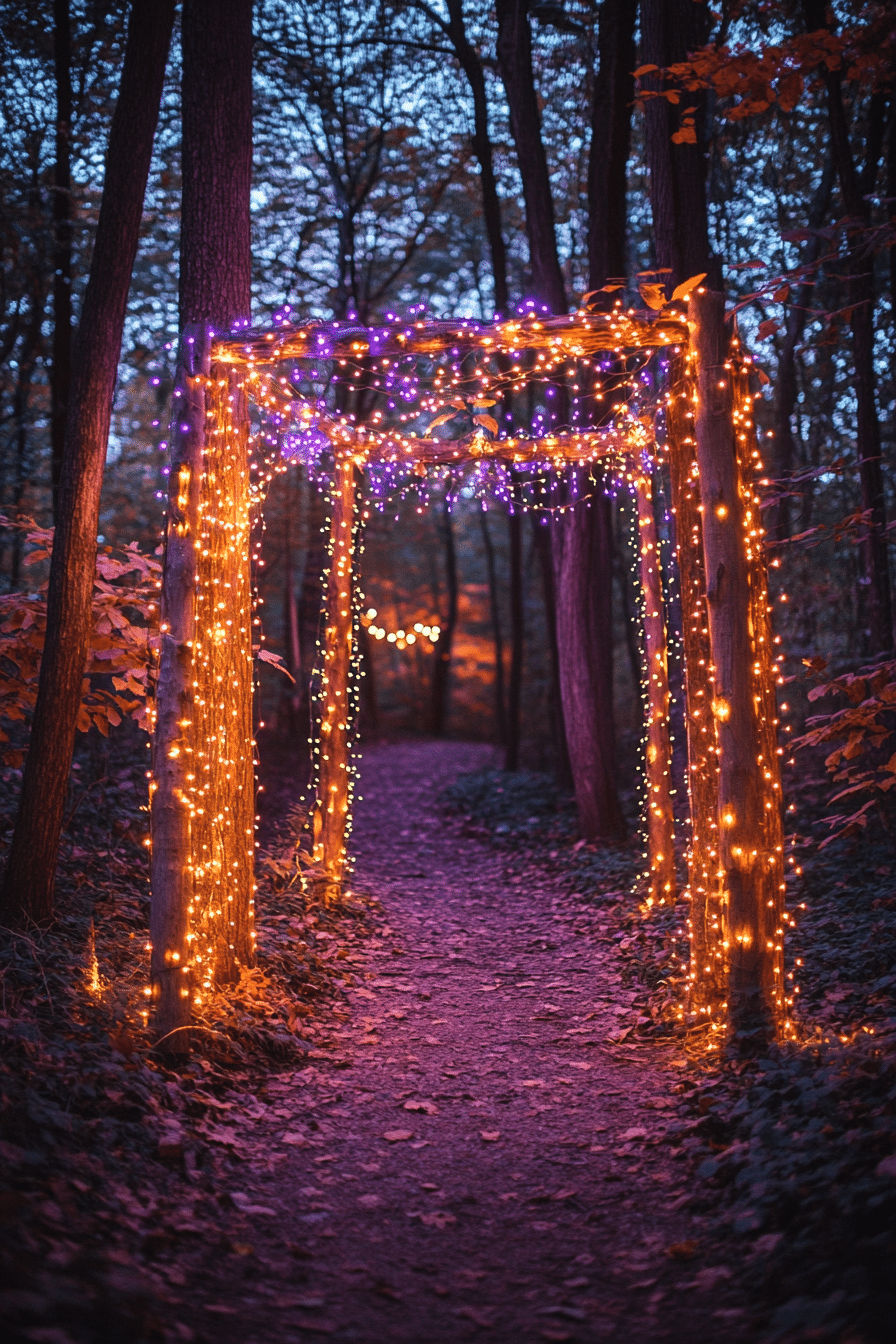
{"x":134,"y":1194}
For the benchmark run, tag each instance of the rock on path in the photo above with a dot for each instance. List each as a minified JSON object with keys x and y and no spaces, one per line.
{"x":475,"y":1159}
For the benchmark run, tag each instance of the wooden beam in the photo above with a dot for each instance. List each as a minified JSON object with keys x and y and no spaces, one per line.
{"x":577,"y":336}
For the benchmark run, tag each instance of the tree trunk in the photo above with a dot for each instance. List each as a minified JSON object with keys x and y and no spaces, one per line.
{"x":216,"y":100}
{"x":215,"y":294}
{"x":751,"y":903}
{"x":27,"y":892}
{"x":514,"y":52}
{"x":517,"y":631}
{"x":583,"y":549}
{"x":669,"y":30}
{"x":442,"y":670}
{"x":611,"y":124}
{"x":470,"y":63}
{"x":497,"y":635}
{"x":541,"y":538}
{"x":61,"y":365}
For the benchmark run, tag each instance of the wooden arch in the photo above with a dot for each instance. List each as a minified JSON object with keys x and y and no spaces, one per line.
{"x":202,"y":789}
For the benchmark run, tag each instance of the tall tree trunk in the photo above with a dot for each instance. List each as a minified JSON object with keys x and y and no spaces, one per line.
{"x":216,"y":99}
{"x":61,"y":365}
{"x":611,"y":127}
{"x":215,"y":294}
{"x":27,"y":892}
{"x":517,"y":632}
{"x":497,"y":634}
{"x":669,"y":30}
{"x":442,"y":670}
{"x":583,"y":548}
{"x":749,"y":838}
{"x":469,"y":61}
{"x":541,"y":539}
{"x":785,"y":381}
{"x":514,"y":51}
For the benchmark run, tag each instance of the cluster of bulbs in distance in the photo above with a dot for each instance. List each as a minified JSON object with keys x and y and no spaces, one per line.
{"x":400,"y":638}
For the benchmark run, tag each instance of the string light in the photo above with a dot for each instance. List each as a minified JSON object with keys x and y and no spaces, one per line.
{"x":369,"y":412}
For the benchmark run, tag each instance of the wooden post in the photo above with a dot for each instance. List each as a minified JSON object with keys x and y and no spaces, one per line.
{"x":708,"y":975}
{"x":222,"y":779}
{"x":331,"y":809}
{"x":660,"y":821}
{"x":749,"y":865}
{"x":171,"y":867}
{"x":765,"y":676}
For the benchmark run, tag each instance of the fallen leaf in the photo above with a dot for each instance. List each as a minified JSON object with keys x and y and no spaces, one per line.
{"x":370,"y":1201}
{"x":490,"y":1135}
{"x":244,"y":1203}
{"x":422,"y":1107}
{"x":398,"y":1135}
{"x":682,"y":1250}
{"x":637,"y":1132}
{"x":562,"y":1195}
{"x":437,"y":1219}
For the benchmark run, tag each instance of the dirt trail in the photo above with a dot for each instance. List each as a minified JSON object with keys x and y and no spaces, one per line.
{"x":474,"y":1158}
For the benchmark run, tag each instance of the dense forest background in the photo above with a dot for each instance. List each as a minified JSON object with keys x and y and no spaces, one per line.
{"x":368,"y":198}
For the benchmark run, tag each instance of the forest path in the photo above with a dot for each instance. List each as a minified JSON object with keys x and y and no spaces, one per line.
{"x":476,"y":1158}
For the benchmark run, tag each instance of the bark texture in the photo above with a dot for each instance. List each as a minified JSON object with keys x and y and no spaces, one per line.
{"x":611,"y":124}
{"x":669,"y":30}
{"x":582,"y":542}
{"x":27,"y":892}
{"x":216,"y":257}
{"x":469,"y":61}
{"x":514,"y":51}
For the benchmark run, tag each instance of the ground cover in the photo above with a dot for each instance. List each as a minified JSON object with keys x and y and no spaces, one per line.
{"x":462,"y":1105}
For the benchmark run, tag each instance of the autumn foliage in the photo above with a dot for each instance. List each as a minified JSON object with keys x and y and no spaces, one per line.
{"x":122,"y":646}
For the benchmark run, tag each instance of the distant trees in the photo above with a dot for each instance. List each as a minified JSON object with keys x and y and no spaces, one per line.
{"x":27,"y":890}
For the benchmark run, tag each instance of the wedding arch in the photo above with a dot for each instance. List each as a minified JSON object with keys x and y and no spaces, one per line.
{"x":414,"y":378}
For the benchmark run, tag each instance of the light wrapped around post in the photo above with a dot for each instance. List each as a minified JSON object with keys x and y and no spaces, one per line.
{"x":708,"y":965}
{"x":332,"y":805}
{"x":202,"y":790}
{"x":749,"y":794}
{"x":170,"y":865}
{"x":203,"y":764}
{"x":222,"y":777}
{"x":658,"y":766}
